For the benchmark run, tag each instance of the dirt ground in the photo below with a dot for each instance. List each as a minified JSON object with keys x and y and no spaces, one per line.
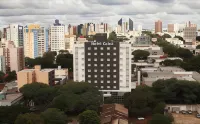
{"x":186,"y":119}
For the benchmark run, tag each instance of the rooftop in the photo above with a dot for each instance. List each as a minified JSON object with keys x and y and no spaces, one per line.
{"x":12,"y":97}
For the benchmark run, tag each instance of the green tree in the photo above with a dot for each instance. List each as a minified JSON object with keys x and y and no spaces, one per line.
{"x":29,"y":118}
{"x":89,"y":117}
{"x":166,"y":36}
{"x":180,"y":38}
{"x":65,"y":60}
{"x":198,"y":47}
{"x":11,"y":76}
{"x":159,"y":119}
{"x":54,"y":116}
{"x":112,"y":36}
{"x":2,"y":74}
{"x":8,"y":114}
{"x":140,"y":54}
{"x":83,"y":96}
{"x":198,"y":38}
{"x":159,"y":109}
{"x":184,"y":53}
{"x":176,"y":62}
{"x":39,"y":93}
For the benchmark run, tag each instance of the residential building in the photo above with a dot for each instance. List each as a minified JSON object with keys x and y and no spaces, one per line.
{"x":130,"y":25}
{"x":174,"y":41}
{"x":106,"y":65}
{"x":190,"y":35}
{"x":15,"y":33}
{"x":2,"y":64}
{"x":28,"y":76}
{"x":158,"y":26}
{"x":139,"y":28}
{"x":57,"y":37}
{"x":170,"y":28}
{"x":143,"y":39}
{"x":14,"y":57}
{"x":113,"y":114}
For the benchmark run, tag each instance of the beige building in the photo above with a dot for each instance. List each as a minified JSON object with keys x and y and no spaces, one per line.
{"x":170,"y":28}
{"x":158,"y":26}
{"x":29,"y":76}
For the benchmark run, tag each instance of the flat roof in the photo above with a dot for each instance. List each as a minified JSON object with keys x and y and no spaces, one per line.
{"x":11,"y":97}
{"x":46,"y":70}
{"x":27,"y":70}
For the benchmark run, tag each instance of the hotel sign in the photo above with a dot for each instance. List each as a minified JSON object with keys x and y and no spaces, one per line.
{"x":102,"y":43}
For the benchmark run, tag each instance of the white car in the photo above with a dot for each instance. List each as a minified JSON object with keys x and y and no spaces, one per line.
{"x":140,"y":118}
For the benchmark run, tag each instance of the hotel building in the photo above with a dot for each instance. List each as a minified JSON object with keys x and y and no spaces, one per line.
{"x":106,"y":65}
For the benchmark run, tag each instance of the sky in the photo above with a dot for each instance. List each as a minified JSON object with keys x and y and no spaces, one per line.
{"x":143,"y":12}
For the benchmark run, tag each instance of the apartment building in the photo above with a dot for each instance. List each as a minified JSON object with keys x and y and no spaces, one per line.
{"x":2,"y":64}
{"x":190,"y":35}
{"x":36,"y":41}
{"x":28,"y":76}
{"x":57,"y":37}
{"x":158,"y":26}
{"x":106,"y":65}
{"x":143,"y":39}
{"x":15,"y":33}
{"x":170,"y":28}
{"x":14,"y":57}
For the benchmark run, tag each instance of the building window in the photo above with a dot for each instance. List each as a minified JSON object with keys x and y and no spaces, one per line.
{"x":108,"y":59}
{"x":114,"y":54}
{"x":89,"y":53}
{"x":89,"y":59}
{"x":108,"y":86}
{"x":102,"y":82}
{"x":95,"y":76}
{"x":108,"y":82}
{"x":95,"y":48}
{"x":114,"y":76}
{"x":114,"y":48}
{"x":108,"y":54}
{"x":89,"y":76}
{"x":95,"y":70}
{"x":89,"y":48}
{"x":114,"y":82}
{"x":101,"y":70}
{"x":95,"y":65}
{"x":114,"y":70}
{"x":102,"y":60}
{"x":108,"y":70}
{"x":108,"y":48}
{"x":102,"y":87}
{"x":95,"y":59}
{"x":102,"y":54}
{"x":101,"y":48}
{"x":102,"y":76}
{"x":108,"y":76}
{"x":89,"y":70}
{"x":114,"y":87}
{"x":95,"y":81}
{"x":114,"y":59}
{"x":114,"y":65}
{"x":95,"y":54}
{"x":89,"y":65}
{"x":101,"y":65}
{"x":108,"y":65}
{"x":89,"y":81}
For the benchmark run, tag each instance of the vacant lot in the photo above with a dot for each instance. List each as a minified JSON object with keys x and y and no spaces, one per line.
{"x":186,"y":119}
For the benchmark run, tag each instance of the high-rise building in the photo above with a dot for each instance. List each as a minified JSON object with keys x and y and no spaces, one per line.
{"x":2,"y":64}
{"x":130,"y":25}
{"x":120,"y":22}
{"x":36,"y":41}
{"x":189,"y":35}
{"x":15,"y":33}
{"x":106,"y":65}
{"x":158,"y":26}
{"x":57,"y":37}
{"x":139,"y":28}
{"x":80,"y":27}
{"x":170,"y":28}
{"x":14,"y":57}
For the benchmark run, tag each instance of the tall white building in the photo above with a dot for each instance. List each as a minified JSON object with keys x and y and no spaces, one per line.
{"x":106,"y":65}
{"x":3,"y":64}
{"x":15,"y":33}
{"x":57,"y":37}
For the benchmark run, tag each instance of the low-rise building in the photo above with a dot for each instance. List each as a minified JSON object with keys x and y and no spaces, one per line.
{"x":174,"y":41}
{"x":10,"y":99}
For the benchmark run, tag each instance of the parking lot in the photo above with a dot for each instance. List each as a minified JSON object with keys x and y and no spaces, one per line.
{"x":186,"y":119}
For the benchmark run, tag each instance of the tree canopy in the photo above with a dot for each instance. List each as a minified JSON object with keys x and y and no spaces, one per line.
{"x":65,"y":60}
{"x":140,"y":54}
{"x":29,"y":118}
{"x":112,"y":36}
{"x":89,"y":117}
{"x":198,"y":47}
{"x":159,"y":119}
{"x":54,"y":116}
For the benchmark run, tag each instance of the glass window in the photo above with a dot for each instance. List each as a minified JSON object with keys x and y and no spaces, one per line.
{"x":114,"y":48}
{"x":108,"y":59}
{"x":95,"y":70}
{"x":95,"y":54}
{"x":108,"y":82}
{"x":114,"y":82}
{"x":102,"y":82}
{"x":89,"y":59}
{"x":95,"y":65}
{"x":95,"y":48}
{"x":89,"y":64}
{"x":89,"y":53}
{"x":114,"y":87}
{"x":114,"y":70}
{"x":101,"y":70}
{"x":89,"y":48}
{"x":114,"y":54}
{"x":101,"y":65}
{"x":95,"y":76}
{"x":108,"y":54}
{"x":102,"y":76}
{"x":102,"y":87}
{"x":108,"y":76}
{"x":101,"y":48}
{"x":89,"y":70}
{"x":89,"y":76}
{"x":89,"y":81}
{"x":102,"y":60}
{"x":108,"y":65}
{"x":114,"y":76}
{"x":95,"y":81}
{"x":102,"y":54}
{"x":114,"y":59}
{"x":114,"y":65}
{"x":108,"y":48}
{"x":95,"y":59}
{"x":108,"y":70}
{"x":108,"y":86}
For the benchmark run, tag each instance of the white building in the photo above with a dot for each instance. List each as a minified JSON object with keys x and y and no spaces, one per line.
{"x":15,"y":33}
{"x":175,"y":41}
{"x":106,"y":65}
{"x":2,"y":64}
{"x":57,"y":37}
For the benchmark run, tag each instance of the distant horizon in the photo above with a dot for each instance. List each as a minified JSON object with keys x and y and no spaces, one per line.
{"x":144,"y":12}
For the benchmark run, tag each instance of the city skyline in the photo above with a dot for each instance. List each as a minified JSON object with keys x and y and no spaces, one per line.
{"x":46,"y":11}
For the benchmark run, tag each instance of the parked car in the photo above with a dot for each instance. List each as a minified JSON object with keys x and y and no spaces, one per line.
{"x":189,"y":111}
{"x":183,"y":112}
{"x":198,"y":115}
{"x":140,"y":118}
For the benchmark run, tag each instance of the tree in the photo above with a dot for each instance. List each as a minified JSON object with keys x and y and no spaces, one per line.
{"x":145,"y":74}
{"x":29,"y":118}
{"x":159,"y":119}
{"x":159,"y":109}
{"x":140,"y":54}
{"x":54,"y":116}
{"x":112,"y":36}
{"x":89,"y":117}
{"x":198,"y":47}
{"x":176,"y":62}
{"x":83,"y":96}
{"x":198,"y":38}
{"x":166,"y":36}
{"x":184,"y":53}
{"x":65,"y":60}
{"x":39,"y":93}
{"x":11,"y":76}
{"x":2,"y":74}
{"x":180,"y":38}
{"x":8,"y":114}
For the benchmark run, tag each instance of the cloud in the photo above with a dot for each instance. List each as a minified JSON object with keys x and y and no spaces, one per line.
{"x":143,"y":12}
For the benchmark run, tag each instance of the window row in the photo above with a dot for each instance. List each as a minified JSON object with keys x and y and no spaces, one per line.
{"x":108,"y":59}
{"x":102,"y":48}
{"x":108,"y":70}
{"x":95,"y":81}
{"x":102,"y":54}
{"x":102,"y":76}
{"x":102,"y":65}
